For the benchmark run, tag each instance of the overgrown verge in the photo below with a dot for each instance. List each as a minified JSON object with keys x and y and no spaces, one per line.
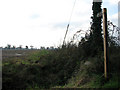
{"x":43,"y":69}
{"x":63,"y":67}
{"x":91,"y":72}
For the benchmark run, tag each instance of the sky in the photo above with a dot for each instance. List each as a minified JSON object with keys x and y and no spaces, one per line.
{"x":44,"y":22}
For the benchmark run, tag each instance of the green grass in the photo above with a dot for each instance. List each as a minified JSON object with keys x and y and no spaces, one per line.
{"x":113,"y":82}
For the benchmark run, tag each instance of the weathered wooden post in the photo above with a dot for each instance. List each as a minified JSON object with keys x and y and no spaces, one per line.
{"x":105,"y":43}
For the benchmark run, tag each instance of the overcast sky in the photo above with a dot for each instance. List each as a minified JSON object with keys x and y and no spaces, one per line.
{"x":44,"y":22}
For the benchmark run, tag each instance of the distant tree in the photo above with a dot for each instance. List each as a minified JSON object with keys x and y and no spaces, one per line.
{"x":26,"y":47}
{"x":47,"y":48}
{"x":5,"y":47}
{"x":31,"y":47}
{"x":51,"y":47}
{"x":20,"y":47}
{"x":8,"y":46}
{"x":42,"y":48}
{"x":13,"y":47}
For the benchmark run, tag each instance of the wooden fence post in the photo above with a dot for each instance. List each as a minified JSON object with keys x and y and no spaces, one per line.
{"x":105,"y":43}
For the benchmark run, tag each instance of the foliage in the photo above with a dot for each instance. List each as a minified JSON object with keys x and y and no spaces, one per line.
{"x":95,"y":41}
{"x":60,"y":67}
{"x":67,"y":66}
{"x":44,"y":68}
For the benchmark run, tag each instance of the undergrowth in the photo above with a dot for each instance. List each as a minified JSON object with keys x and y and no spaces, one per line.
{"x":64,"y":67}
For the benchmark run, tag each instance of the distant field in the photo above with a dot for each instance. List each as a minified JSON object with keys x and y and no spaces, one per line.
{"x":16,"y":53}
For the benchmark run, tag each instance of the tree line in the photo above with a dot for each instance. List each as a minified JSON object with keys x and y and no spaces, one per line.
{"x":9,"y":46}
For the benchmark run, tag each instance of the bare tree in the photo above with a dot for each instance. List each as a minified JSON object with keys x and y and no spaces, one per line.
{"x":31,"y":47}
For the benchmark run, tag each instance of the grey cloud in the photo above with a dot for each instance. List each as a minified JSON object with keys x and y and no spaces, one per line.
{"x":64,"y":24}
{"x":60,"y":25}
{"x":97,"y":0}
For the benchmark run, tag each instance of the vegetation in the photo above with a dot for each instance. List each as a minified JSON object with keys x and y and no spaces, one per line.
{"x":95,"y":40}
{"x":63,"y":67}
{"x":68,"y":66}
